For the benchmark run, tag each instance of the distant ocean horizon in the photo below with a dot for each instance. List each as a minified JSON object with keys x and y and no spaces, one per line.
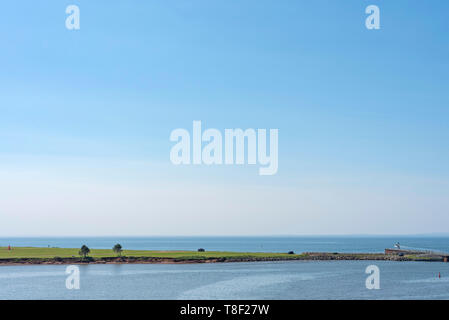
{"x":254,"y":280}
{"x":352,"y":243}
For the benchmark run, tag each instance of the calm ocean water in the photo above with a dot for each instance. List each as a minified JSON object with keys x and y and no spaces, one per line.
{"x":253,"y":244}
{"x":259,"y":280}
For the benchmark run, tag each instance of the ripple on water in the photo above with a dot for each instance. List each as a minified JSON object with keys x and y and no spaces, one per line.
{"x":230,"y":289}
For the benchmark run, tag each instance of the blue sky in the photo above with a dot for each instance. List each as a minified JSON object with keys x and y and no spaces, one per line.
{"x":86,"y":115}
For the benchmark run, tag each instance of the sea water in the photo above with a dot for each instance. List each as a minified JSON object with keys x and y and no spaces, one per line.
{"x":241,"y":280}
{"x":256,"y":280}
{"x":242,"y":244}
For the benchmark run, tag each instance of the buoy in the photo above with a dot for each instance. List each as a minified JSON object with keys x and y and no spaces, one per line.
{"x":439,"y":275}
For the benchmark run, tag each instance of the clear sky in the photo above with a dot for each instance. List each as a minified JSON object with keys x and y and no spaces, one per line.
{"x":86,"y":115}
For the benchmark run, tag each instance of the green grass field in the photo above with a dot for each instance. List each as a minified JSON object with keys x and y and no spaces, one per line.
{"x":33,"y":252}
{"x":21,"y":254}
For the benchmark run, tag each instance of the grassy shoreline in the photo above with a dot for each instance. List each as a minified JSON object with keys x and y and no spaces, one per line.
{"x":35,"y":255}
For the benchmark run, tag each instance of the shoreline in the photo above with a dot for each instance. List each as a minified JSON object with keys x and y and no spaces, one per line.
{"x":243,"y":257}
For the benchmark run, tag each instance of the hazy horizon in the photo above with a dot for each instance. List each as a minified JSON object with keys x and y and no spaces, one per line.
{"x":442,"y":235}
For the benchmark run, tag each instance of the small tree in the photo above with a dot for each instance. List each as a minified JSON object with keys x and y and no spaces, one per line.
{"x":84,"y":251}
{"x":117,"y":249}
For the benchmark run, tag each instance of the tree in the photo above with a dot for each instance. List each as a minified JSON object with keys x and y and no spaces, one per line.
{"x":84,"y":251}
{"x":117,"y":249}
